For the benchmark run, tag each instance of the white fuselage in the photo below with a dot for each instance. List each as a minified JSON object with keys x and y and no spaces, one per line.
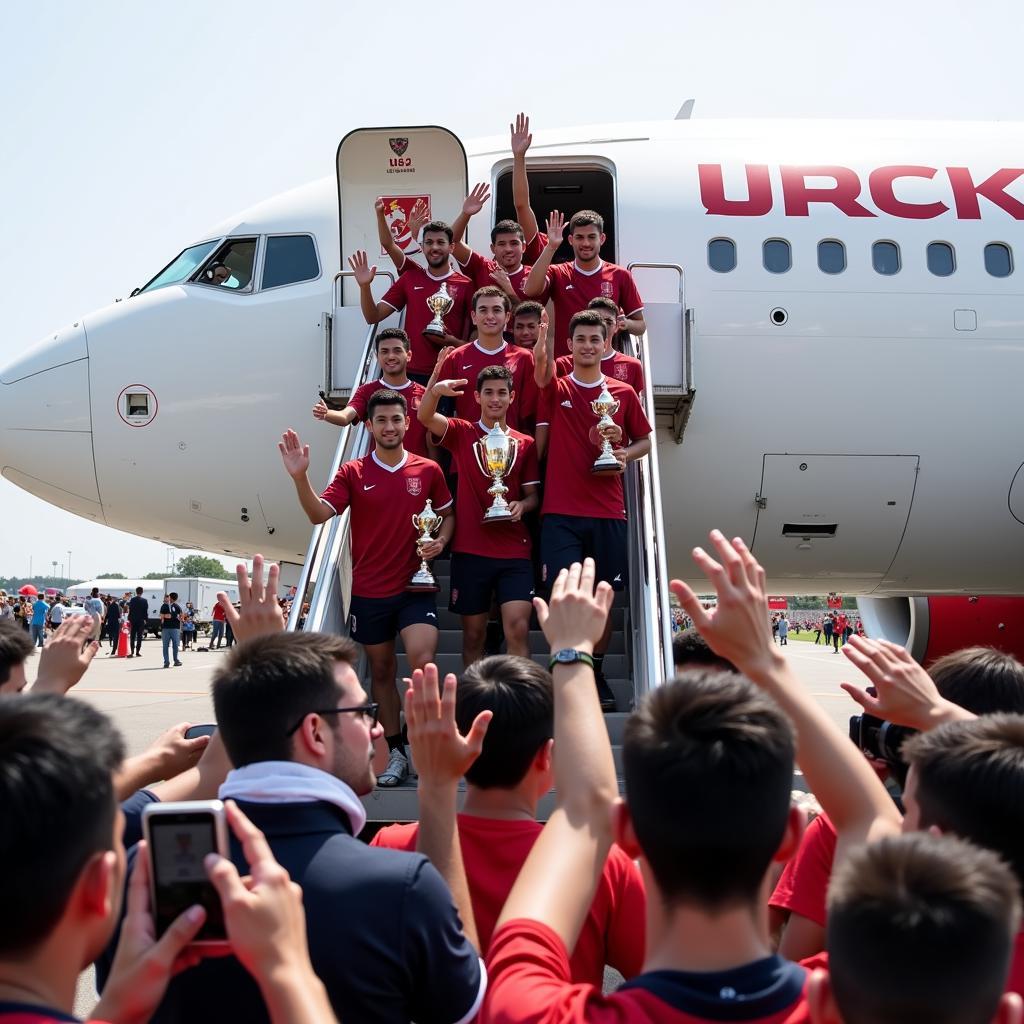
{"x":886,"y":406}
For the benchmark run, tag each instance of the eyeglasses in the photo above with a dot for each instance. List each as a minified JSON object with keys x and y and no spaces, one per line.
{"x":368,"y":711}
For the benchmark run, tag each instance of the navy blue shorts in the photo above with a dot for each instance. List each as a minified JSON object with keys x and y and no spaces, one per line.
{"x":378,"y":620}
{"x":476,"y":579}
{"x":568,"y":539}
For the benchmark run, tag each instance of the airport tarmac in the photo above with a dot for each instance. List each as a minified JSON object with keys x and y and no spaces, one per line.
{"x":143,"y":698}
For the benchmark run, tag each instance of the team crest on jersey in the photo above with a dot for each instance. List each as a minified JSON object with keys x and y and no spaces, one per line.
{"x":398,"y":146}
{"x":414,"y":485}
{"x":606,"y":289}
{"x":620,"y":372}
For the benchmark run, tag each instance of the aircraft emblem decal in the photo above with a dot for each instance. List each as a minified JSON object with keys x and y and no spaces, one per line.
{"x":398,"y":146}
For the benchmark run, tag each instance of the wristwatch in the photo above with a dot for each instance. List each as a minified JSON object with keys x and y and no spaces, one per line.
{"x":569,"y":656}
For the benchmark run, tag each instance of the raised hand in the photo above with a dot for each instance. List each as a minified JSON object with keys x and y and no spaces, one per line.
{"x":320,"y":410}
{"x":441,"y":753}
{"x":418,"y":216}
{"x":521,"y":137}
{"x":451,"y":388}
{"x":66,"y":656}
{"x":474,"y":202}
{"x":905,"y":693}
{"x":738,"y":628}
{"x":260,"y":612}
{"x":294,"y":454}
{"x":556,"y":228}
{"x":359,"y":265}
{"x":577,"y":613}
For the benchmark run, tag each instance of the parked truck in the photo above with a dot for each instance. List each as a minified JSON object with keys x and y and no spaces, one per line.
{"x":202,"y":592}
{"x":152,"y":590}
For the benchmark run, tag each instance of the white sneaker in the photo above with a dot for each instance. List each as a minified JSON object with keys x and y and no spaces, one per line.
{"x":397,"y":770}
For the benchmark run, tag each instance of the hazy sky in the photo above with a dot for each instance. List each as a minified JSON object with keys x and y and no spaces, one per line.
{"x":129,"y":128}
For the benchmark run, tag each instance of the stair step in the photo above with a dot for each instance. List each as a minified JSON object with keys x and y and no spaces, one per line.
{"x":449,"y":641}
{"x":615,"y":667}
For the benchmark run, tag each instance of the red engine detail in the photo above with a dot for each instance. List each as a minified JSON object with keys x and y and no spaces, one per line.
{"x":957,"y":622}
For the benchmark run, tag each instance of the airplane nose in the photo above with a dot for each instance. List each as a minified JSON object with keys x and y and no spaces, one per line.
{"x":46,"y":423}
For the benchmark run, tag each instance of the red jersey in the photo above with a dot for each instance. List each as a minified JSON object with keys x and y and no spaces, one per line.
{"x":534,"y":247}
{"x":473,"y":537}
{"x":1015,"y":983}
{"x":468,"y":360}
{"x":416,"y":436}
{"x":218,"y":615}
{"x":803,"y":885}
{"x":479,"y":269}
{"x":570,"y":489}
{"x":410,"y":292}
{"x":617,"y":365}
{"x":494,"y":851}
{"x":571,"y":289}
{"x":22,"y":1013}
{"x":529,"y":981}
{"x":383,"y":501}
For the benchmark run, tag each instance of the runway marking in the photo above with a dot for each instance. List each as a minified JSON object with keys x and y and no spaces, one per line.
{"x":154,"y":693}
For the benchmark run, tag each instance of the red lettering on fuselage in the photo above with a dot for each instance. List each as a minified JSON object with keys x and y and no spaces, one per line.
{"x":844,"y":195}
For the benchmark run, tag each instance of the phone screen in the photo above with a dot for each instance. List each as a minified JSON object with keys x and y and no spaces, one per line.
{"x":179,"y":843}
{"x":207,"y":729}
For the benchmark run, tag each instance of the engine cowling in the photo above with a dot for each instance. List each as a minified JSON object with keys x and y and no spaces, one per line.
{"x":930,"y":627}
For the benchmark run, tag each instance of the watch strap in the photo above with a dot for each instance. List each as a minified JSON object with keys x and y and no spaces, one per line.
{"x":579,"y":656}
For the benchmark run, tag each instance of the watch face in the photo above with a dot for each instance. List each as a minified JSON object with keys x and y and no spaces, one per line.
{"x":567,"y":655}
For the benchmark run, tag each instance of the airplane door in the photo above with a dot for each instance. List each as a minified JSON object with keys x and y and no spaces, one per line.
{"x":842,"y":516}
{"x":401,"y":166}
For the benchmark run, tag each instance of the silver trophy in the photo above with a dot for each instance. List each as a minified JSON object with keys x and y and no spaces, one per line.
{"x":496,"y":453}
{"x":439,"y":304}
{"x":427,"y":525}
{"x":604,"y":406}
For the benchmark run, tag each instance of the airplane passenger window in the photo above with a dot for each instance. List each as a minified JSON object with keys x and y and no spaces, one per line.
{"x":180,"y":267}
{"x":722,"y":255}
{"x":289,"y":259}
{"x":941,"y":259}
{"x":998,"y":259}
{"x":831,"y":256}
{"x":231,"y":266}
{"x":885,"y":257}
{"x":777,"y":255}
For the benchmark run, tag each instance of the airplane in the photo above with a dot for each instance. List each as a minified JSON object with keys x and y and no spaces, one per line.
{"x":836,"y":331}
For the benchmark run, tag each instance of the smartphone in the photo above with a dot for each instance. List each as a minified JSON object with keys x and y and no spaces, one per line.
{"x":180,"y":836}
{"x":200,"y":730}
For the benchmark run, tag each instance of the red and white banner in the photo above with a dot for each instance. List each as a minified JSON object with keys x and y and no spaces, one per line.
{"x":777,"y":604}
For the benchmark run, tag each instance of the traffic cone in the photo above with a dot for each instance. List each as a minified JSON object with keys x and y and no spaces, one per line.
{"x":122,"y":642}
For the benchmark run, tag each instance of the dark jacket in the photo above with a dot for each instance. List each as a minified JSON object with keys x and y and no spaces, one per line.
{"x":384,"y":936}
{"x":138,"y":611}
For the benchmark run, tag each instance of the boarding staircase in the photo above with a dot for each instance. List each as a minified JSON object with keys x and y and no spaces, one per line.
{"x":640,"y":655}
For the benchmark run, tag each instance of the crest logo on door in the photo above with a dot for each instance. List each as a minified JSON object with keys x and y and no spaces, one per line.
{"x":399,"y":146}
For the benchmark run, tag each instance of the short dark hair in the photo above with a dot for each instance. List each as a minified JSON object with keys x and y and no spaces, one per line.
{"x":15,"y":647}
{"x":981,"y":679}
{"x":520,"y":694}
{"x":920,"y":928}
{"x":584,"y":219}
{"x":95,"y":592}
{"x":173,"y":595}
{"x":494,"y":373}
{"x":438,"y":226}
{"x":690,"y":650}
{"x":268,"y":684}
{"x":490,"y":291}
{"x":138,"y":590}
{"x":507,"y":227}
{"x":390,"y":334}
{"x":969,"y":775}
{"x":58,"y":756}
{"x":385,"y":396}
{"x":589,"y":318}
{"x":708,"y":762}
{"x":603,"y":302}
{"x":528,"y":308}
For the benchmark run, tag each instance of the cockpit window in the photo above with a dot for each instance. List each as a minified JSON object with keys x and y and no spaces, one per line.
{"x":181,"y":267}
{"x":288,"y":260}
{"x":231,"y":266}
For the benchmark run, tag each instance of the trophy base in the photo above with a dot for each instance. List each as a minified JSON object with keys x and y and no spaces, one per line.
{"x":422,"y":588}
{"x":437,"y":332}
{"x":500,"y":516}
{"x":612,"y":468}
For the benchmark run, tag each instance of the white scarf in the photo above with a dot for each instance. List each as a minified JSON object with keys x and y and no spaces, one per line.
{"x":287,"y":782}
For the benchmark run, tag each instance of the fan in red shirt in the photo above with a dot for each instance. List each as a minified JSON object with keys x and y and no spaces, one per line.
{"x":708,"y":763}
{"x":393,"y":350}
{"x":585,"y":512}
{"x":614,"y":364}
{"x":498,"y":826}
{"x":571,"y":286}
{"x":490,"y":560}
{"x":411,"y":291}
{"x":383,"y":491}
{"x":490,"y":313}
